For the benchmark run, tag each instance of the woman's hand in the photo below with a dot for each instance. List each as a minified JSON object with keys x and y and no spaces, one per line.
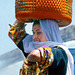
{"x":34,"y":56}
{"x":18,"y":23}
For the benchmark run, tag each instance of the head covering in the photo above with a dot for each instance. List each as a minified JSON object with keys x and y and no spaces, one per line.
{"x":51,"y":31}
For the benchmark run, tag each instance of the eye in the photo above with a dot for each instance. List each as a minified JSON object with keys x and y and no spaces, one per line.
{"x":38,"y":32}
{"x":33,"y":32}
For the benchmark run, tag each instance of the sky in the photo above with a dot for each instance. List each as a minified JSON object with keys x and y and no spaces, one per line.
{"x":7,"y":16}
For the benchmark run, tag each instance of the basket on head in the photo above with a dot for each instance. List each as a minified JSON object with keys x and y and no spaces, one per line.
{"x":29,"y":10}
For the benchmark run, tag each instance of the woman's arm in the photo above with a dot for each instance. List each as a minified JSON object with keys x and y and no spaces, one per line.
{"x":37,"y":61}
{"x":42,"y":54}
{"x":34,"y":56}
{"x":55,"y":58}
{"x":17,"y":31}
{"x":46,"y":60}
{"x":18,"y":23}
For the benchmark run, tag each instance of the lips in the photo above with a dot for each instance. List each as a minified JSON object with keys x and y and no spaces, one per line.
{"x":36,"y":40}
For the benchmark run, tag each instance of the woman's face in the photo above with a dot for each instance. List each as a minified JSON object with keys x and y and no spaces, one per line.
{"x":38,"y":35}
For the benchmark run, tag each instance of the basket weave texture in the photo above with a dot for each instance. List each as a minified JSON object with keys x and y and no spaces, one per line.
{"x":29,"y":10}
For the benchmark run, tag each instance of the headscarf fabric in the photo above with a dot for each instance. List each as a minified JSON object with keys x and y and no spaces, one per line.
{"x":51,"y":30}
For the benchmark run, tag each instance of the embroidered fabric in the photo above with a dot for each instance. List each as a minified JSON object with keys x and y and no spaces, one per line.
{"x":16,"y":33}
{"x":38,"y":68}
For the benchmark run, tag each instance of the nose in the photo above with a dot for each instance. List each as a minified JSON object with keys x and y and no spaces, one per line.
{"x":34,"y":36}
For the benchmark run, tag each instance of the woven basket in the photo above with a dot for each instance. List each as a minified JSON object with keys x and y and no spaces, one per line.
{"x":29,"y":10}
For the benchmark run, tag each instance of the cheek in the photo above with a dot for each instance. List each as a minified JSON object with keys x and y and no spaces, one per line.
{"x":42,"y":38}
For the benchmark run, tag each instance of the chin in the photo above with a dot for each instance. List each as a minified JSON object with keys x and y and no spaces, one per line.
{"x":37,"y":41}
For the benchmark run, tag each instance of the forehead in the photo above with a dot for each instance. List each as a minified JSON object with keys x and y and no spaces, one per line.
{"x":36,"y":27}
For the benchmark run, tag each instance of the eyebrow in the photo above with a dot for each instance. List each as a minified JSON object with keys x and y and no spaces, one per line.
{"x":37,"y":30}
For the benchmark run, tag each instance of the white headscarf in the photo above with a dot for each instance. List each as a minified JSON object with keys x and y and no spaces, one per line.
{"x":52,"y":33}
{"x":51,"y":30}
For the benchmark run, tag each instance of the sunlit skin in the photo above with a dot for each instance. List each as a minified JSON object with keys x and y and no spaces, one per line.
{"x":38,"y":35}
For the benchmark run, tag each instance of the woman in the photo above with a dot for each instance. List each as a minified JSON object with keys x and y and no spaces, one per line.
{"x":44,"y":49}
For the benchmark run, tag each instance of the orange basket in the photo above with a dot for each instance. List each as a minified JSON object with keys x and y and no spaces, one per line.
{"x":29,"y":10}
